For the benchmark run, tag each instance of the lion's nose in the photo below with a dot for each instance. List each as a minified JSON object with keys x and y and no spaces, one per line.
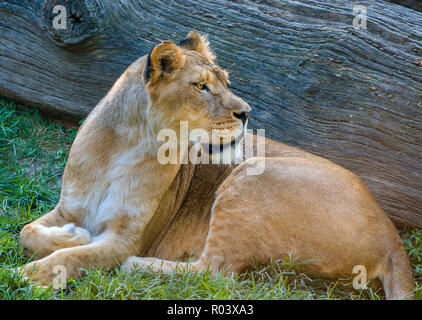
{"x":242,"y":116}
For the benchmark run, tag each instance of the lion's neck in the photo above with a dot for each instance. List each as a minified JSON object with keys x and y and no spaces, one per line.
{"x":126,"y":109}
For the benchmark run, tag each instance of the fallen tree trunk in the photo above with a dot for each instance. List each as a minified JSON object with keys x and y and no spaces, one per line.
{"x":312,"y":79}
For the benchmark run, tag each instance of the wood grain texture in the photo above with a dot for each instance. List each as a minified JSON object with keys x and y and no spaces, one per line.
{"x":313,"y":81}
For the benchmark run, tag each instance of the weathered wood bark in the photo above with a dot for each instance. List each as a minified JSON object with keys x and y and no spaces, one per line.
{"x":313,"y":80}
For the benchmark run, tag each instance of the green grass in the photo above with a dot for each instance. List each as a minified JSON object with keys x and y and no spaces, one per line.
{"x":33,"y":154}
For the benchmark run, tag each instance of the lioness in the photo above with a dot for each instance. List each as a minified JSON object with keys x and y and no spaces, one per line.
{"x":119,"y":202}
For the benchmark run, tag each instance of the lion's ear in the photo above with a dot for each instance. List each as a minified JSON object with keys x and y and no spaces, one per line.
{"x":163,"y":60}
{"x":195,"y":41}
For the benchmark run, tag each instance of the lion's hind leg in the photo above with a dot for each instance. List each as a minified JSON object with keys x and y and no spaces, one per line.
{"x":160,"y":265}
{"x":51,"y":232}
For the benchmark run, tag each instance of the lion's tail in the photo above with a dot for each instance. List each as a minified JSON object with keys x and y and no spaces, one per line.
{"x":397,"y":276}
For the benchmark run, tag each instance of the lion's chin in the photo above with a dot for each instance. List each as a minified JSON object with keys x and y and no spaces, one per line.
{"x":228,"y":153}
{"x":224,"y":153}
{"x":219,"y":148}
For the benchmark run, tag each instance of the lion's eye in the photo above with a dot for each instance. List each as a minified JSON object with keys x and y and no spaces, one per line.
{"x":200,"y":85}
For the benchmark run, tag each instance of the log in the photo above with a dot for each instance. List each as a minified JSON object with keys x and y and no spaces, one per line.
{"x":314,"y":81}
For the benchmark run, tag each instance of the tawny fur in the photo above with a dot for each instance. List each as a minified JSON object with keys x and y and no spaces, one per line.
{"x":118,"y":202}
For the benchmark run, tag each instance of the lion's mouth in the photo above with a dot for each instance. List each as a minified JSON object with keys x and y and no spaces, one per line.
{"x":212,"y":148}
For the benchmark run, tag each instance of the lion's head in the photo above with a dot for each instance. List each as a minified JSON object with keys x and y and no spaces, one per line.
{"x":184,"y":84}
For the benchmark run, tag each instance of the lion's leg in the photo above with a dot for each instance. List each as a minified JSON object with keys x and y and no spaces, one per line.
{"x":105,"y":251}
{"x":210,"y":260}
{"x":160,"y":265}
{"x":216,"y":256}
{"x":155,"y":264}
{"x":53,"y":231}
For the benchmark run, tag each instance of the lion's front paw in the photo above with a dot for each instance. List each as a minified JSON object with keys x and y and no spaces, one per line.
{"x":74,"y":236}
{"x":33,"y":272}
{"x":43,"y":273}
